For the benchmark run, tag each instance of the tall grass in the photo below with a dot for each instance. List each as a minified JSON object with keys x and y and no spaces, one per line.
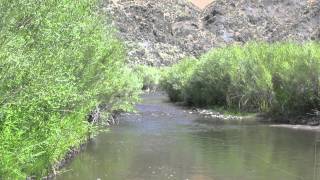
{"x":58,"y":60}
{"x":176,"y":78}
{"x":282,"y":78}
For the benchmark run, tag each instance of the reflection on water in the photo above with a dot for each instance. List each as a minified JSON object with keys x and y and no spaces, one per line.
{"x":163,"y":141}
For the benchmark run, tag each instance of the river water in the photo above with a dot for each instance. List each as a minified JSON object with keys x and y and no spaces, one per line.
{"x":163,"y":141}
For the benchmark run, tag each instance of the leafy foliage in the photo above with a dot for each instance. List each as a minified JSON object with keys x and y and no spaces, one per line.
{"x":175,"y":80}
{"x":149,"y":75}
{"x":296,"y":72}
{"x":58,"y":60}
{"x":257,"y":77}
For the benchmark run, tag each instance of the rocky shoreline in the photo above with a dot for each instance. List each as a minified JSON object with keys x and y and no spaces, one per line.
{"x":310,"y":124}
{"x":206,"y":113}
{"x":297,"y":127}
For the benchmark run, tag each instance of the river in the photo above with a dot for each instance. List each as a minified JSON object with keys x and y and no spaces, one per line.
{"x":164,"y":141}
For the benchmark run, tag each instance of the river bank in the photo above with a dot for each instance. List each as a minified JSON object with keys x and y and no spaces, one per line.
{"x":279,"y":79}
{"x":298,"y":127}
{"x":210,"y":115}
{"x":59,"y":60}
{"x":68,"y":158}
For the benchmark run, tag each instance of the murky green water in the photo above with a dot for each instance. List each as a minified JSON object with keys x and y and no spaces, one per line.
{"x":164,"y":141}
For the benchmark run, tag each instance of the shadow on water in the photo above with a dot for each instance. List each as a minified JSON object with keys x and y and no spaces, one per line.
{"x":163,"y":141}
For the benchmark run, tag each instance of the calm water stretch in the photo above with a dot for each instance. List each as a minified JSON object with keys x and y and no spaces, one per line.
{"x":163,"y":141}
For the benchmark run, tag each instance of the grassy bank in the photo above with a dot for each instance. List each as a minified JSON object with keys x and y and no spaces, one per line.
{"x":281,"y":78}
{"x":58,"y":61}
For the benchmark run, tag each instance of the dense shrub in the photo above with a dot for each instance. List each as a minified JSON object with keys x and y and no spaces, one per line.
{"x":149,"y":75}
{"x":234,"y":77}
{"x":256,"y":77}
{"x":295,"y":75}
{"x":175,"y":80}
{"x":58,"y":60}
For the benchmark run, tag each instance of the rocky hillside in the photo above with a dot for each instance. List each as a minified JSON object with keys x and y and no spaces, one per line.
{"x":162,"y":32}
{"x":159,"y":32}
{"x":267,"y":20}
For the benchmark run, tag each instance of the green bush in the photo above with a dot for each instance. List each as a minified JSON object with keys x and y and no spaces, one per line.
{"x":234,"y":77}
{"x":175,"y":80}
{"x":149,"y":75}
{"x":295,"y":75}
{"x":256,"y":77}
{"x":58,"y":60}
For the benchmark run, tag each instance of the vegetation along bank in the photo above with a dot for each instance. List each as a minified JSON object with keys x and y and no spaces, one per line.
{"x":58,"y":61}
{"x":278,"y":78}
